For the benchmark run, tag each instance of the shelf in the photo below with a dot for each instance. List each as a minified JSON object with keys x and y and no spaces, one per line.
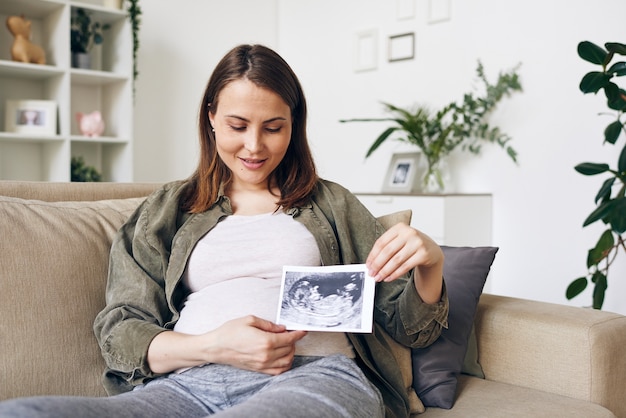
{"x":29,"y":138}
{"x":30,"y":71}
{"x":99,"y":139}
{"x":106,"y":88}
{"x":95,"y":78}
{"x":30,"y":8}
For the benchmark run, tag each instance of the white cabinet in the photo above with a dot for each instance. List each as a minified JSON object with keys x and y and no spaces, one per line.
{"x":107,"y":88}
{"x":453,"y":219}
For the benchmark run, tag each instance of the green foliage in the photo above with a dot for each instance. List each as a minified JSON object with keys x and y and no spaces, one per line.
{"x":610,"y":199}
{"x":463,"y":124}
{"x":84,"y":33}
{"x":134,"y":11}
{"x":83,"y":172}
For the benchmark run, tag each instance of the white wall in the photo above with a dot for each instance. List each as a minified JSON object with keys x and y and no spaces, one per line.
{"x":539,"y":205}
{"x":180,"y":44}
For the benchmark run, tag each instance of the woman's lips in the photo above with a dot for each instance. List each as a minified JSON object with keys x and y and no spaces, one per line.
{"x":252,"y":163}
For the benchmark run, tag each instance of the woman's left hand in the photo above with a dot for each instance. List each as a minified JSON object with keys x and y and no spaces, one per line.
{"x":402,"y":248}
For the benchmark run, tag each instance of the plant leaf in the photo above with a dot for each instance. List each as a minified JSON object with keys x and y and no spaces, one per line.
{"x":591,"y":52}
{"x":605,"y":191}
{"x":602,"y":248}
{"x":599,"y":213}
{"x":618,"y":69}
{"x":599,"y":290}
{"x":616,"y":47}
{"x":621,"y":162}
{"x":616,"y":215}
{"x":612,"y":131}
{"x":616,"y":97}
{"x":590,"y":169}
{"x":593,"y":81}
{"x":576,"y":287}
{"x":380,"y":140}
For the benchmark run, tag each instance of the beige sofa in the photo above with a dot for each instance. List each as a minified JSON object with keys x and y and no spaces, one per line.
{"x":539,"y":359}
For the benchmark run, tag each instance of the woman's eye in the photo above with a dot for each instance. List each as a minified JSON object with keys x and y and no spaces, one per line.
{"x":273,"y":130}
{"x":238,"y":128}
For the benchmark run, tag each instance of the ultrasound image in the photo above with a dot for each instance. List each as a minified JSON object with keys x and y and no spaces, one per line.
{"x":323,"y":300}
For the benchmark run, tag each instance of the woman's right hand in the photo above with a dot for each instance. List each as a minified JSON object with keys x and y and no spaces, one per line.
{"x":249,"y":343}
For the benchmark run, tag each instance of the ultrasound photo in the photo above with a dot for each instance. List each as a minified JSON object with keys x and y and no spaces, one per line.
{"x":329,"y":298}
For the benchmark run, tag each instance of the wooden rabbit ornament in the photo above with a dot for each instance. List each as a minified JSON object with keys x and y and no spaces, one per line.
{"x":23,"y":50}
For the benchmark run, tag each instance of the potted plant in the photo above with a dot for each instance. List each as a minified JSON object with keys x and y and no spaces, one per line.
{"x":610,"y":199}
{"x":438,"y":133}
{"x":81,"y":172}
{"x":84,"y":34}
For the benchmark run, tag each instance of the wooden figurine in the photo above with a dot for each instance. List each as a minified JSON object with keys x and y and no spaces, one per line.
{"x":23,"y":50}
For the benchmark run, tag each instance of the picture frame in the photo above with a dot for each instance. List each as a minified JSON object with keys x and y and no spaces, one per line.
{"x":405,"y":9}
{"x":438,"y":11}
{"x":34,"y":117}
{"x":366,"y":50}
{"x":404,"y":173}
{"x":402,"y":47}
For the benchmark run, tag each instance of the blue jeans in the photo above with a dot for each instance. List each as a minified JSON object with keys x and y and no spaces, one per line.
{"x":331,"y":386}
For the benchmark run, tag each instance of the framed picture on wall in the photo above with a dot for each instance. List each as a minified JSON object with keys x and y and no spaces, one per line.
{"x":403,"y":173}
{"x":366,"y":50}
{"x":36,"y":117}
{"x":402,"y":47}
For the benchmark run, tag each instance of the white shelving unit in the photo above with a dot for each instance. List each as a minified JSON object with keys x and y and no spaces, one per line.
{"x":107,"y":88}
{"x":449,"y":219}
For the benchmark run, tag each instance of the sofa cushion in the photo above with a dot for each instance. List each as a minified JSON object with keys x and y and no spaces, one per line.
{"x":52,"y":283}
{"x":479,"y":398}
{"x":436,"y":368}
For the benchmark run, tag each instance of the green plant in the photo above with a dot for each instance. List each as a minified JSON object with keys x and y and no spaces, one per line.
{"x":84,"y":33}
{"x":611,"y":207}
{"x":463,"y":124}
{"x":134,"y":11}
{"x":83,"y":172}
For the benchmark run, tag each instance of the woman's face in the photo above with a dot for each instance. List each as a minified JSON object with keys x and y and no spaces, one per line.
{"x":252,"y":132}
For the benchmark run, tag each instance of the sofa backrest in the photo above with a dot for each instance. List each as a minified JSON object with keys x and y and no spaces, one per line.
{"x":54,"y":260}
{"x":58,"y":192}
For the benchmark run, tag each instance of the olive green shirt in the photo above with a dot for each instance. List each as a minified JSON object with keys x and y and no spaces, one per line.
{"x":150,"y":252}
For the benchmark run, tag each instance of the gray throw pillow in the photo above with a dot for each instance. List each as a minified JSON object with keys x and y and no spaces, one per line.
{"x":436,"y":368}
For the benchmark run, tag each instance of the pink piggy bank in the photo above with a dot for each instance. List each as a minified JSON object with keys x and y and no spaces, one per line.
{"x":90,"y":124}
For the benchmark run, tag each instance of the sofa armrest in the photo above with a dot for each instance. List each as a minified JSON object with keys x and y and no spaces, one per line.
{"x":576,"y":352}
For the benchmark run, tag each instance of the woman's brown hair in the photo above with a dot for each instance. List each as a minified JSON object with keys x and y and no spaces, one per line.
{"x":296,"y":175}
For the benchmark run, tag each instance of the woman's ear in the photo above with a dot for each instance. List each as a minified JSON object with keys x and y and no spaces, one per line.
{"x":211,"y":116}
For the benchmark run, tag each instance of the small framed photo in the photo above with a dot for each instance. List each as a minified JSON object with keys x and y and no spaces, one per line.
{"x":37,"y":117}
{"x":403,"y":175}
{"x":402,"y":47}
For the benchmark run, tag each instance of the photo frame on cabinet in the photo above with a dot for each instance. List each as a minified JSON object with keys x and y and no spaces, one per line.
{"x":403,"y":173}
{"x":35,"y":117}
{"x":402,"y":47}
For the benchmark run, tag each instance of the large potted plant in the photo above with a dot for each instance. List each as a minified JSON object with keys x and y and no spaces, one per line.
{"x":438,"y":133}
{"x":610,"y":199}
{"x":84,"y":34}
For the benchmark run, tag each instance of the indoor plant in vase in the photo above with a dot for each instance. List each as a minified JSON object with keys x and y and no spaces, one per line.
{"x":84,"y":34}
{"x":438,"y":133}
{"x":610,"y":199}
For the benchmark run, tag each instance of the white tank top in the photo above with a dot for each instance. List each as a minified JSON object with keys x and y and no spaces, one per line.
{"x":235,"y":270}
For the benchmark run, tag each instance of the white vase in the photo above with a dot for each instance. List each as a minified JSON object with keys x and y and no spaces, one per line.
{"x":437,"y":180}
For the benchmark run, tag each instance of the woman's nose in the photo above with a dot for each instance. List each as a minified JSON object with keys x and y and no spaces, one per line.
{"x":253,"y":141}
